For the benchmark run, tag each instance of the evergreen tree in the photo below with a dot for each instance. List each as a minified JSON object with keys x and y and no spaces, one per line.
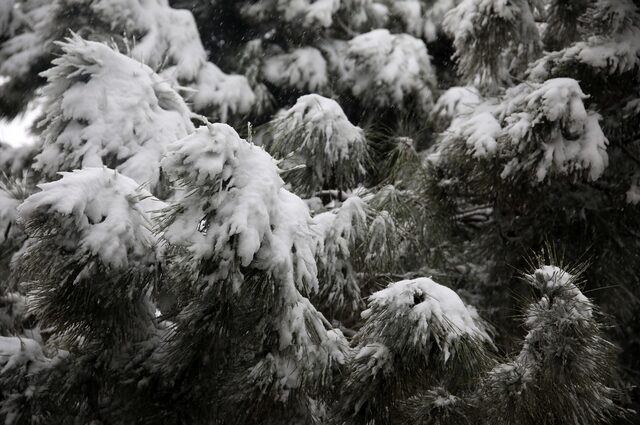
{"x":349,"y":239}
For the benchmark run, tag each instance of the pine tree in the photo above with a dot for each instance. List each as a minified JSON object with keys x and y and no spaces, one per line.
{"x":348,"y":241}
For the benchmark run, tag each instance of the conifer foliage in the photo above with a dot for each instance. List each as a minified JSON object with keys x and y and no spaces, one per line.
{"x":332,"y":212}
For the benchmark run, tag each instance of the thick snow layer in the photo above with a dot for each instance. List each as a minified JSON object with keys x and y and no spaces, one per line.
{"x":321,"y":12}
{"x":614,"y":48}
{"x":270,"y":226}
{"x":153,"y":33}
{"x":480,"y":132}
{"x":540,"y":129}
{"x":167,"y":40}
{"x":304,"y":69}
{"x":575,"y":142}
{"x":16,"y":352}
{"x":614,"y":55}
{"x":311,"y":12}
{"x":386,"y":69}
{"x":316,"y":134}
{"x":412,"y":15}
{"x":453,"y":103}
{"x":314,"y":115}
{"x":224,"y":94}
{"x":104,"y":108}
{"x":427,"y":303}
{"x":236,"y":212}
{"x":109,"y":213}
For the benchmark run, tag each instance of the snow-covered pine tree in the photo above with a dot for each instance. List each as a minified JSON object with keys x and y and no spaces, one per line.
{"x":164,"y":38}
{"x":545,"y":155}
{"x":562,"y":371}
{"x":90,"y":263}
{"x":537,"y":142}
{"x":242,"y":259}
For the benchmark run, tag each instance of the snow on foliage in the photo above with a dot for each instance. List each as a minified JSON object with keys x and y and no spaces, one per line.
{"x":573,"y":140}
{"x":303,"y":69}
{"x":310,"y":13}
{"x":227,"y":95}
{"x":235,"y":212}
{"x":416,"y":332}
{"x":171,"y":43}
{"x":248,"y":205}
{"x":615,"y":48}
{"x":429,"y":311}
{"x":101,"y":212}
{"x":18,"y":352}
{"x":554,"y":281}
{"x":541,"y":129}
{"x":483,"y":30}
{"x":316,"y":132}
{"x":453,"y":103}
{"x":387,"y":69}
{"x":237,"y":194}
{"x":364,"y":13}
{"x":435,"y":15}
{"x":480,"y":132}
{"x":18,"y":53}
{"x":562,"y":346}
{"x":151,"y":31}
{"x":104,"y":108}
{"x":337,"y":232}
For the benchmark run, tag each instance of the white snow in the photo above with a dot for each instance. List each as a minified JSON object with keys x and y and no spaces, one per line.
{"x":321,"y":12}
{"x":615,"y":50}
{"x":385,"y":69}
{"x":224,"y":94}
{"x":16,"y":352}
{"x":411,"y":13}
{"x":379,"y":358}
{"x":304,"y":69}
{"x":576,"y":141}
{"x":104,"y":108}
{"x":434,"y":17}
{"x":438,"y":304}
{"x":542,"y":129}
{"x":453,"y":103}
{"x":336,"y":231}
{"x":235,"y":210}
{"x":480,"y":132}
{"x":18,"y":53}
{"x":109,"y":213}
{"x":316,"y":134}
{"x":167,"y":40}
{"x":552,"y":280}
{"x":314,"y":115}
